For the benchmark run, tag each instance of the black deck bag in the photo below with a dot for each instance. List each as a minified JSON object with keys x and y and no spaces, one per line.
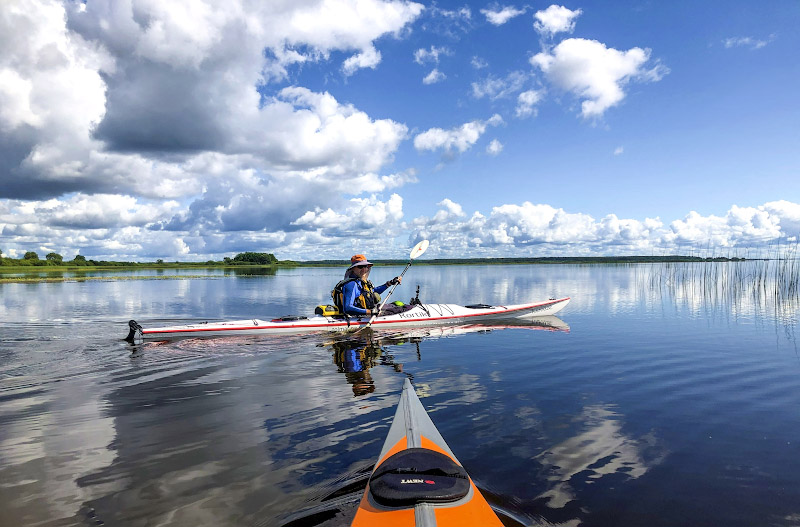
{"x":418,"y":475}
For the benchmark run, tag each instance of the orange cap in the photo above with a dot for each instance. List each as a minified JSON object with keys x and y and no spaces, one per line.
{"x":357,"y":260}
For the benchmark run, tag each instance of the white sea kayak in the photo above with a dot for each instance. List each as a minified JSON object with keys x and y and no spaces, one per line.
{"x":415,"y":316}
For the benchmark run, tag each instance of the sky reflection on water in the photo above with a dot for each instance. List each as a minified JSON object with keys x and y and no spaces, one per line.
{"x":634,"y":398}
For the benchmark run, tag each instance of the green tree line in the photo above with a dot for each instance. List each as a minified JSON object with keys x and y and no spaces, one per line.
{"x":53,"y":259}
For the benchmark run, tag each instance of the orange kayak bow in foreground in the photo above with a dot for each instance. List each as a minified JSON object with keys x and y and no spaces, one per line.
{"x":418,"y":481}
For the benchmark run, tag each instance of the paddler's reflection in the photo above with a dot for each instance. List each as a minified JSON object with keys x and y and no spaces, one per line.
{"x":355,"y":356}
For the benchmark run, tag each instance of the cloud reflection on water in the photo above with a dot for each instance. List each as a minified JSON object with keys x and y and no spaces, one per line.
{"x":599,"y":450}
{"x":49,"y":441}
{"x":227,"y":431}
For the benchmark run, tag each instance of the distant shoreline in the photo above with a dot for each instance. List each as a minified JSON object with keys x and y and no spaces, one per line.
{"x":538,"y":260}
{"x":79,"y":273}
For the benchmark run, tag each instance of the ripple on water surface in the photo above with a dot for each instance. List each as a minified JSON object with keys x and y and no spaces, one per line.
{"x":644,"y":406}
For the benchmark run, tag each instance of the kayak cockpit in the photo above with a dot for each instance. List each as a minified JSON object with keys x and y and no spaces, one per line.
{"x":418,"y":475}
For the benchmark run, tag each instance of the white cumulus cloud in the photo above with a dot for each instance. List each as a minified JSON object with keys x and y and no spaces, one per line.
{"x":433,"y":77}
{"x":182,"y":115}
{"x":740,"y":226}
{"x":494,"y":147}
{"x":788,"y":215}
{"x":500,"y":15}
{"x":423,"y":56}
{"x":327,"y":25}
{"x":460,"y":138}
{"x":555,"y":19}
{"x":360,"y":217}
{"x":595,"y":73}
{"x":544,"y":230}
{"x":369,"y":58}
{"x":527,"y":101}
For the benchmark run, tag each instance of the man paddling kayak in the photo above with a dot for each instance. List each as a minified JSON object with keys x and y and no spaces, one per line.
{"x":355,"y":295}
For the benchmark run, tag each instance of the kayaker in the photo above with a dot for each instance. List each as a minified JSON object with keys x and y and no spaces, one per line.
{"x":359,"y":296}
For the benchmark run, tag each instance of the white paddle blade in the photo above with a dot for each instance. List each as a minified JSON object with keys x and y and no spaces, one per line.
{"x":419,"y":248}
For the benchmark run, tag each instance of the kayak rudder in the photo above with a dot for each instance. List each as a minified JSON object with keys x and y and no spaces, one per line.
{"x":134,"y":332}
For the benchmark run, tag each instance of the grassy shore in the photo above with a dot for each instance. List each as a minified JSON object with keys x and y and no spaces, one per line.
{"x":67,"y":272}
{"x":112,"y":278}
{"x":541,"y":260}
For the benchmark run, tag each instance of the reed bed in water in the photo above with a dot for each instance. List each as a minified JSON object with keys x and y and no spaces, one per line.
{"x":772,"y":283}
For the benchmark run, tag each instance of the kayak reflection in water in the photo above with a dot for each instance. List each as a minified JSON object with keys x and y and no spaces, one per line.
{"x":356,"y":296}
{"x":354,"y":357}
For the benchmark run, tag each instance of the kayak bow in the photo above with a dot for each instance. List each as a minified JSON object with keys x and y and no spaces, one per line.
{"x":418,"y":481}
{"x":416,"y":316}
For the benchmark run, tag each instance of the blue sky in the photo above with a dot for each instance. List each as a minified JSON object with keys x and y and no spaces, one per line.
{"x":188,"y":131}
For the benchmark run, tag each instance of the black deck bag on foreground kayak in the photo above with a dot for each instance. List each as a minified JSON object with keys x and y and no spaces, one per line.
{"x":418,"y":475}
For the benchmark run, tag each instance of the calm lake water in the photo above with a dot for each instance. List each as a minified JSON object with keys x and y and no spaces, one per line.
{"x":655,"y":399}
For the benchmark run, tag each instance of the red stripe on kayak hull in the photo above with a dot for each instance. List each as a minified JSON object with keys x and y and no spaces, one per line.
{"x":356,"y":324}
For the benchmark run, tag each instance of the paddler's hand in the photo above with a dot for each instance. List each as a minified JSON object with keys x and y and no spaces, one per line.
{"x":395,"y":280}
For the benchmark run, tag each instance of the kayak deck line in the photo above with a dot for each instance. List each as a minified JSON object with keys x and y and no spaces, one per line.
{"x":423,"y":512}
{"x":413,"y":439}
{"x":420,"y":314}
